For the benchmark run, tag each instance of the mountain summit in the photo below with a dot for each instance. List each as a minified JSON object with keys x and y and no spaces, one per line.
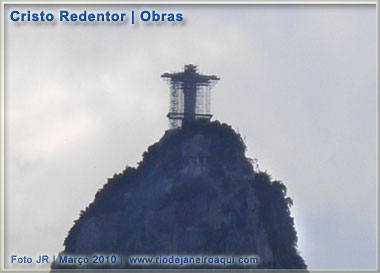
{"x":194,"y":193}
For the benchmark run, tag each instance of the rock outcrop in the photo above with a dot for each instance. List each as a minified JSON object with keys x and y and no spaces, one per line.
{"x":194,"y":193}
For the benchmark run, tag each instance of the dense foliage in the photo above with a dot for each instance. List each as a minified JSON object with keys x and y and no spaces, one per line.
{"x":228,"y":165}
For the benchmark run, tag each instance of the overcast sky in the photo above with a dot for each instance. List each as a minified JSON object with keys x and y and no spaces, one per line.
{"x":82,"y":101}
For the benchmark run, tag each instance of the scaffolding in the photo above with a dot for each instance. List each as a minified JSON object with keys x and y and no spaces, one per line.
{"x":190,"y":94}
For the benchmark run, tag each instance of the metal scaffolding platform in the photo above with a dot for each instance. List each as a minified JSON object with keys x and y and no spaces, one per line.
{"x":190,"y":94}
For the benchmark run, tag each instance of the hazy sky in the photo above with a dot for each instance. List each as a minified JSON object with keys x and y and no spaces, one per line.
{"x":82,"y":101}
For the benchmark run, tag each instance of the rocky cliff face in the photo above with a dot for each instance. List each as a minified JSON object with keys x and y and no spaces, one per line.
{"x":195,"y":193}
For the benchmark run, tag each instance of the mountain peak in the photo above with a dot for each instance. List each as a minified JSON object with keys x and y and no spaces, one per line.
{"x":194,"y":192}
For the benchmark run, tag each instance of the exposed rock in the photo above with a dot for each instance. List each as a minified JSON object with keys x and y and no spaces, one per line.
{"x":193,"y":193}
